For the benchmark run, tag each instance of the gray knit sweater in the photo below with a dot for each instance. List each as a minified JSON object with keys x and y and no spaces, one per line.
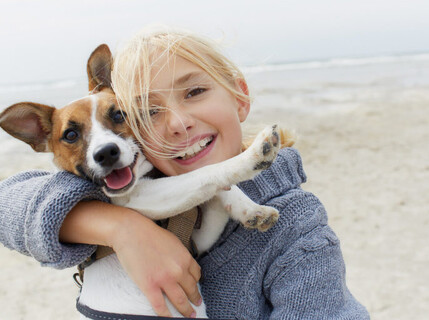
{"x":293,"y":271}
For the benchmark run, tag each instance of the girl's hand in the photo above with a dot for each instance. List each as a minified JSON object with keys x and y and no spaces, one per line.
{"x":158,"y":263}
{"x":153,"y":257}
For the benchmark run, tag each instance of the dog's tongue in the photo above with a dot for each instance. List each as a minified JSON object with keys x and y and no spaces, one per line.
{"x":119,"y":179}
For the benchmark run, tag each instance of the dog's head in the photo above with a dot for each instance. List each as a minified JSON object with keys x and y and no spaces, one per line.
{"x":88,"y":137}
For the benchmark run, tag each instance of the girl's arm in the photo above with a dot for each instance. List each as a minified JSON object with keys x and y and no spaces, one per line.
{"x":310,"y":281}
{"x":34,"y":205}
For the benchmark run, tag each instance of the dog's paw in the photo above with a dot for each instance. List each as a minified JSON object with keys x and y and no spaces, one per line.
{"x":265,"y":147}
{"x":260,"y":217}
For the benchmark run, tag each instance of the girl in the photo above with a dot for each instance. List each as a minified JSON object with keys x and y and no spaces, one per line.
{"x":185,"y":102}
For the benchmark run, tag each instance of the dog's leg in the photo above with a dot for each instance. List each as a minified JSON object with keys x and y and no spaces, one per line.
{"x":243,"y":209}
{"x":166,"y":197}
{"x":235,"y":204}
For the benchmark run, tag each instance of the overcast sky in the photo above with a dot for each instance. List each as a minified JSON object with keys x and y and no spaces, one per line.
{"x":50,"y":40}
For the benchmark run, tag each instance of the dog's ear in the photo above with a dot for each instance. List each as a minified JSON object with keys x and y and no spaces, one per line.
{"x":99,"y":68}
{"x":29,"y":122}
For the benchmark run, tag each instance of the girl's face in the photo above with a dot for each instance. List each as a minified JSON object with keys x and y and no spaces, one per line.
{"x":195,"y":114}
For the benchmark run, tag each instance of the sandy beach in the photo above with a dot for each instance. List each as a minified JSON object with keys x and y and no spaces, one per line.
{"x":363,"y":133}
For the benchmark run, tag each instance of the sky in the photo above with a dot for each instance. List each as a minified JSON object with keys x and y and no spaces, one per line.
{"x":43,"y":40}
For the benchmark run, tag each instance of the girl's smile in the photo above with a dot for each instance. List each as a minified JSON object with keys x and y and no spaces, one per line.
{"x":196,"y":151}
{"x":197,"y":117}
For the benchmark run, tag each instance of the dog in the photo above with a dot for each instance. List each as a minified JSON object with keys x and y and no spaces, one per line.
{"x":90,"y":138}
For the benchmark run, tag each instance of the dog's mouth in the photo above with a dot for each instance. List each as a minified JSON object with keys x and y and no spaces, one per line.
{"x":119,"y":180}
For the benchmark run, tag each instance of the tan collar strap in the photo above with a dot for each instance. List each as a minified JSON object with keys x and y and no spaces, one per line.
{"x":183,"y":225}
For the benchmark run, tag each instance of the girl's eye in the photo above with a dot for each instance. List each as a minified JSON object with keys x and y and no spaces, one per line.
{"x":118,"y":116}
{"x":153,"y":111}
{"x":70,"y":135}
{"x":195,"y":92}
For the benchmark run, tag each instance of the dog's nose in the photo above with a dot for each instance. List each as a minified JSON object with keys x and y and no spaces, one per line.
{"x":107,"y":154}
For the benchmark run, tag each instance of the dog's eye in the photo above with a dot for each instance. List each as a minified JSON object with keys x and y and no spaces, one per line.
{"x":70,"y":135}
{"x":118,"y":116}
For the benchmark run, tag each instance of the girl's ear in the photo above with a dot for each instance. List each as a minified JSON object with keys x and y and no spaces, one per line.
{"x":243,"y":105}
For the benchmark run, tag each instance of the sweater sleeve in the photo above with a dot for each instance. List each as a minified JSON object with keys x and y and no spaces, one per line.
{"x":33,"y":206}
{"x":308,"y":280}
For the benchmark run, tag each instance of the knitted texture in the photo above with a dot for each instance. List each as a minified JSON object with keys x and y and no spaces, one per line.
{"x":33,"y":206}
{"x":295,"y":270}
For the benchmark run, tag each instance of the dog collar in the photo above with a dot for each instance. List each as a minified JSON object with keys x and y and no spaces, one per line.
{"x":183,"y":225}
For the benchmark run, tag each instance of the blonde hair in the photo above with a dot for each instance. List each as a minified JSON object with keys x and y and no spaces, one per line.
{"x":131,"y":76}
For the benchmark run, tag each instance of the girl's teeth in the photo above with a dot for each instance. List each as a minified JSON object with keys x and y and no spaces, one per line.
{"x":195,"y":148}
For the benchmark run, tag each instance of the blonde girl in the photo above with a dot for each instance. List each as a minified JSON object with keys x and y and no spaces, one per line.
{"x":185,"y":102}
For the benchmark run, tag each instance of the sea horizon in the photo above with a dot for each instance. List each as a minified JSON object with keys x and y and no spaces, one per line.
{"x":250,"y":68}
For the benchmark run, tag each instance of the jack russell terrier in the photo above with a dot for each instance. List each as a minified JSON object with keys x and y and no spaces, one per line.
{"x":90,"y":138}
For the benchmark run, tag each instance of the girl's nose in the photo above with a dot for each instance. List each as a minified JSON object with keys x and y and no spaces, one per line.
{"x":178,"y":121}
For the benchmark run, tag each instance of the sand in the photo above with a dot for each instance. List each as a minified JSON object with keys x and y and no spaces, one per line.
{"x":366,"y":157}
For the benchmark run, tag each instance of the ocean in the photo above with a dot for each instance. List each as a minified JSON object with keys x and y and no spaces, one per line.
{"x":335,"y":84}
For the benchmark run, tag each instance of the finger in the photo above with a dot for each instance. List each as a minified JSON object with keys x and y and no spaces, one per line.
{"x":195,"y":270}
{"x":190,"y":287}
{"x":157,"y":301}
{"x":179,"y":300}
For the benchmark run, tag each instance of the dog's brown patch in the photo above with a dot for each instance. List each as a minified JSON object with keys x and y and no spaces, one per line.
{"x":75,"y":116}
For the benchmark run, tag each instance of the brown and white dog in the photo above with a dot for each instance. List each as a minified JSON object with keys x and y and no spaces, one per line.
{"x":90,"y":138}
